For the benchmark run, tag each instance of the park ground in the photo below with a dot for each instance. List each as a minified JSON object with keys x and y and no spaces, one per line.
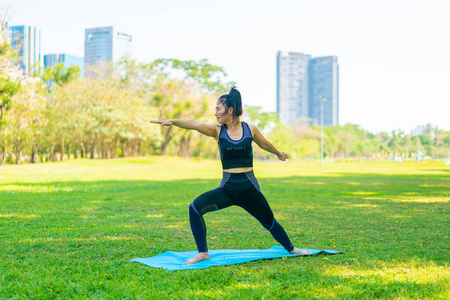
{"x":68,"y":230}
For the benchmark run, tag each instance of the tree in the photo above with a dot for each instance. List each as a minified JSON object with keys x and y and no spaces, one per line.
{"x":261,"y":118}
{"x":10,"y":85}
{"x":183,"y":89}
{"x":26,"y":118}
{"x":176,"y":99}
{"x":106,"y":117}
{"x":203,"y":73}
{"x":60,"y":75}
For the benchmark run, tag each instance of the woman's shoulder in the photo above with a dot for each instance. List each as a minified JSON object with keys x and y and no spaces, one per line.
{"x":250,"y":125}
{"x":253,"y":128}
{"x":219,"y":128}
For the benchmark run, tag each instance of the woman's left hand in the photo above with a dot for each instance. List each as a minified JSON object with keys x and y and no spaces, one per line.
{"x":162,"y":122}
{"x":283,"y":156}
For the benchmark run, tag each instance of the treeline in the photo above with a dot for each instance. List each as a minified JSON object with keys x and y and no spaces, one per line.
{"x":58,"y":115}
{"x":352,"y":141}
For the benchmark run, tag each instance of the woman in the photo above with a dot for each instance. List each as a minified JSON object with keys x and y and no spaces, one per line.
{"x":239,"y":185}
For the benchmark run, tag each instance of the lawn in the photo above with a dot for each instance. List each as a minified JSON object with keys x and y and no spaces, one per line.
{"x":69,"y":229}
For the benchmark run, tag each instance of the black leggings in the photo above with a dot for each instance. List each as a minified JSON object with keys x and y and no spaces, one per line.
{"x":241,"y":189}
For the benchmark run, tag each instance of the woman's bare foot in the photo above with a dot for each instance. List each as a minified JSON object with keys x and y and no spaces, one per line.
{"x":298,"y":251}
{"x":199,"y":257}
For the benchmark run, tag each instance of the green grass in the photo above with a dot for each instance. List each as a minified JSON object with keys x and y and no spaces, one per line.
{"x":69,"y":229}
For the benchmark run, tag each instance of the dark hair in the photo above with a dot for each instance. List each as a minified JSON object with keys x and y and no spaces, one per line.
{"x":232,"y":99}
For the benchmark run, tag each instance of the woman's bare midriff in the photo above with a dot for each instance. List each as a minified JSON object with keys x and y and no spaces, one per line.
{"x":238,"y":170}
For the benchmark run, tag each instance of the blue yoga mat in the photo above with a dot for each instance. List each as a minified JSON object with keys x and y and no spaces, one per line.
{"x":173,"y":261}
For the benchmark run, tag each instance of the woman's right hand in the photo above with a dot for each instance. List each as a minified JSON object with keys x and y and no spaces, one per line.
{"x":162,"y":122}
{"x":283,"y":156}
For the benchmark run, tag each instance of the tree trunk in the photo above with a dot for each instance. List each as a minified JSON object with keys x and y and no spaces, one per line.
{"x":116,"y":152}
{"x":17,"y":157}
{"x":62,"y":149}
{"x":52,"y":154}
{"x":134,"y":147}
{"x":5,"y":149}
{"x":124,"y":149}
{"x":41,"y":156}
{"x":167,"y":139}
{"x":83,"y":150}
{"x":3,"y":161}
{"x":33,"y":151}
{"x":188,"y":146}
{"x":75,"y":150}
{"x":99,"y":154}
{"x":92,"y":151}
{"x":183,"y":150}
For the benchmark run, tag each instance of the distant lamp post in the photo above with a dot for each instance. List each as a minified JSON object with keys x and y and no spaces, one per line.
{"x":321,"y":99}
{"x":437,"y":146}
{"x":418,"y":131}
{"x":435,"y":137}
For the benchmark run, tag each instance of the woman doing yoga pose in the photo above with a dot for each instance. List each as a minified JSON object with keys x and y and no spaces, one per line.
{"x":239,"y":185}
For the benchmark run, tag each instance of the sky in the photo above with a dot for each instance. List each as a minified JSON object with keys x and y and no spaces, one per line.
{"x":393,"y":55}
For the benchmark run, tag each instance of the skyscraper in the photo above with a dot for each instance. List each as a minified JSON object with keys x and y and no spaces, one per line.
{"x":324,"y":82}
{"x":292,"y":86}
{"x":27,"y":40}
{"x":105,"y":44}
{"x":50,"y":60}
{"x":301,"y":81}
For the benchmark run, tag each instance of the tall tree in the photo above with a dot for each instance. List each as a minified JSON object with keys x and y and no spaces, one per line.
{"x":10,"y":84}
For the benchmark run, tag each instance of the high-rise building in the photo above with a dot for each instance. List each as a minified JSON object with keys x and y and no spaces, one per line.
{"x":301,"y":82}
{"x":105,"y":44}
{"x":50,"y":61}
{"x":324,"y":83}
{"x":27,"y":41}
{"x":292,"y":86}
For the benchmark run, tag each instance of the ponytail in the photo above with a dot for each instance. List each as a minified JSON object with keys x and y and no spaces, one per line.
{"x":232,"y":99}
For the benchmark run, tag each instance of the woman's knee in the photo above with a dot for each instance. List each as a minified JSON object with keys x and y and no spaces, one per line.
{"x":267,"y":224}
{"x":193,"y":209}
{"x":201,"y":210}
{"x":267,"y":219}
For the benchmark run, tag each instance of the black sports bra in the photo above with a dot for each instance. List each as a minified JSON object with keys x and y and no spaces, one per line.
{"x":236,"y":154}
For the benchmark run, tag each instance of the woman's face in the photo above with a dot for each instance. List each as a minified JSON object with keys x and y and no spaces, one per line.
{"x":220,"y":113}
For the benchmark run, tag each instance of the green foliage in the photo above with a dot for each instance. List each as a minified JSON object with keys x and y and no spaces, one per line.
{"x":70,"y":229}
{"x":261,"y":118}
{"x":60,"y":74}
{"x":176,"y":99}
{"x":9,"y":84}
{"x":107,"y":114}
{"x":202,"y":72}
{"x":7,"y":89}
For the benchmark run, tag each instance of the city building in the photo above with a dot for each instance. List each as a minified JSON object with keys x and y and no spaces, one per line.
{"x":27,"y":41}
{"x":324,"y":84}
{"x":105,"y":44}
{"x":51,"y":60}
{"x":302,"y":81}
{"x":292,"y":86}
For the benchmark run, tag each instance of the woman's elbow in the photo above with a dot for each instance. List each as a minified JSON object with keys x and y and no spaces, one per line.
{"x":266,"y":145}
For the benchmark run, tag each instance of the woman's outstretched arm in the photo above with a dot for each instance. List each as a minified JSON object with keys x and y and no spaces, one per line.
{"x":206,"y":129}
{"x":264,"y":144}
